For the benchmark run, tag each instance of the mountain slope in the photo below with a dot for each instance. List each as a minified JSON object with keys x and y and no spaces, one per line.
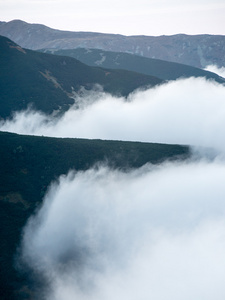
{"x":29,"y":164}
{"x":48,"y":81}
{"x":162,"y":69}
{"x":197,"y":50}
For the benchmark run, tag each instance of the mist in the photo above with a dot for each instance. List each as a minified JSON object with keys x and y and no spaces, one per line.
{"x":157,"y":232}
{"x":152,"y":233}
{"x":187,"y":111}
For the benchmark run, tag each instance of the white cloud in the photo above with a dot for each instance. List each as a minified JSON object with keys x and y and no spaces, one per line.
{"x":153,"y":233}
{"x":157,"y":232}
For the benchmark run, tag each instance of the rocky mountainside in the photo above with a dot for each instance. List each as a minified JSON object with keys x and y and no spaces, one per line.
{"x":50,"y":82}
{"x":150,"y":66}
{"x":197,"y":50}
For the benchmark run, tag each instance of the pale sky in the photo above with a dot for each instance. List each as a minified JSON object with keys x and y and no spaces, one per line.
{"x":133,"y":17}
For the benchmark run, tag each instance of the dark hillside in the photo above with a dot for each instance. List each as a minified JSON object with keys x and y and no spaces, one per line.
{"x":47,"y":81}
{"x":155,"y":67}
{"x":29,"y":164}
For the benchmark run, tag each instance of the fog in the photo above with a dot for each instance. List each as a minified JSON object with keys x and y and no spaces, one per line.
{"x":157,"y":232}
{"x":153,"y":233}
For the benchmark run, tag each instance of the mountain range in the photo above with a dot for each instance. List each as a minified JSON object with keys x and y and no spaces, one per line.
{"x":49,"y":82}
{"x":194,"y":50}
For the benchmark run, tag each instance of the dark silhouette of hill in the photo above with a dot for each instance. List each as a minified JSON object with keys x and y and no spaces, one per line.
{"x":195,"y":50}
{"x":30,"y":163}
{"x":155,"y":67}
{"x":48,"y":81}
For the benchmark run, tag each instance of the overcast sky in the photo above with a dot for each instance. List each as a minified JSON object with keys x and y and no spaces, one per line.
{"x":148,"y":17}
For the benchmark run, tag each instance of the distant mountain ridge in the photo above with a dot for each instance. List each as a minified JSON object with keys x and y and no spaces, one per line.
{"x":164,"y":70}
{"x":196,"y":50}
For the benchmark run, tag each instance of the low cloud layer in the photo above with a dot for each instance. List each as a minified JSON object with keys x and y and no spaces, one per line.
{"x":153,"y":233}
{"x":157,"y":232}
{"x":189,"y":111}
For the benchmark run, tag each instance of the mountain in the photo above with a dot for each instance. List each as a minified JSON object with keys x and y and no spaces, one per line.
{"x":29,"y":164}
{"x":196,"y":50}
{"x":113,"y":60}
{"x":49,"y":82}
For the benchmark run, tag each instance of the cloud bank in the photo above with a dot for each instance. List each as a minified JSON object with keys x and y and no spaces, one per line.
{"x":188,"y":111}
{"x":153,"y":233}
{"x":157,"y":232}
